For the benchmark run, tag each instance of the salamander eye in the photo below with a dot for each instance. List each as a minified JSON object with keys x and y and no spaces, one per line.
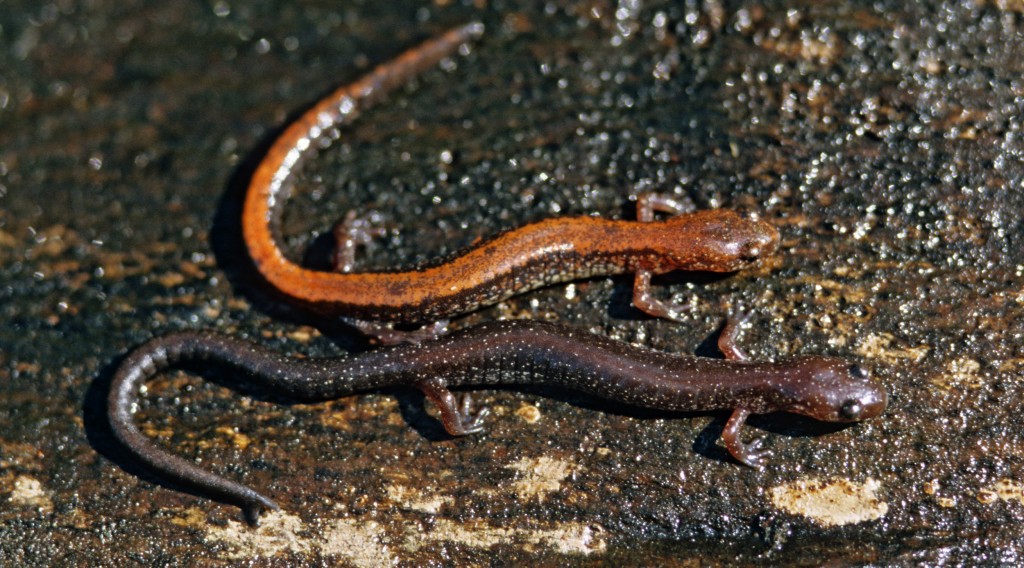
{"x":858,"y":372}
{"x":851,"y":409}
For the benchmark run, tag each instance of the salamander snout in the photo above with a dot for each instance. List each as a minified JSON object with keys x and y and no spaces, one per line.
{"x":718,"y":240}
{"x":866,"y":400}
{"x":835,"y":390}
{"x":752,"y":240}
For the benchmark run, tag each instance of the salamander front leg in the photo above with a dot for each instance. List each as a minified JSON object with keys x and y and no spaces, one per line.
{"x":644,"y":300}
{"x":349,"y":234}
{"x":751,"y":454}
{"x":727,"y":338}
{"x":647,"y":204}
{"x":457,"y":414}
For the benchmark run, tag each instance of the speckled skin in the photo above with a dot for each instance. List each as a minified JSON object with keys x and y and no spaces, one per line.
{"x":530,"y":257}
{"x":503,"y":353}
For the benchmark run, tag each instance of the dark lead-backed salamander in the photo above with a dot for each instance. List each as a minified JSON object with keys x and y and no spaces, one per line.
{"x":504,"y":353}
{"x":535,"y":255}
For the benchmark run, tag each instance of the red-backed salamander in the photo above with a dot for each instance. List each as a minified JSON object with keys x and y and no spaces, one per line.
{"x":532,"y":256}
{"x":503,"y":353}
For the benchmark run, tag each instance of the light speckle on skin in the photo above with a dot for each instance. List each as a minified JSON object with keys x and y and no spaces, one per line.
{"x":540,"y":476}
{"x":831,"y":502}
{"x":29,"y":492}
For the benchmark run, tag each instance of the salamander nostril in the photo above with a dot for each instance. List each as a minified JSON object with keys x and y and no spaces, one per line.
{"x":858,"y":372}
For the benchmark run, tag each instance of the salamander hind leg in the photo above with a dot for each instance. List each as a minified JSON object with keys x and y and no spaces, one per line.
{"x":751,"y":454}
{"x":349,"y":234}
{"x":647,"y":204}
{"x":457,"y":413}
{"x":472,"y":420}
{"x":386,"y":335}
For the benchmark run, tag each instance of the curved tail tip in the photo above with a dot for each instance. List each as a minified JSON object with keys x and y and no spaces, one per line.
{"x":253,"y":511}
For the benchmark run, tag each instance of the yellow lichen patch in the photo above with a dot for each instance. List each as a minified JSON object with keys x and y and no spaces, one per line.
{"x":151,"y":431}
{"x":946,"y":502}
{"x":879,"y":346}
{"x":1012,"y":365}
{"x":1005,"y":5}
{"x":359,"y":542}
{"x":7,"y":240}
{"x":365,"y":543}
{"x":830,"y":502}
{"x":28,"y":367}
{"x":304,"y":334}
{"x":192,"y":270}
{"x":352,"y":413}
{"x":1004,"y":490}
{"x":849,"y":293}
{"x":539,"y":476}
{"x":170,"y":279}
{"x":29,"y":492}
{"x":414,"y":500}
{"x":825,"y":50}
{"x":25,"y":456}
{"x":238,"y":439}
{"x":278,"y":532}
{"x":529,"y":413}
{"x":933,"y":488}
{"x":567,"y":538}
{"x":337,"y":419}
{"x":191,"y":517}
{"x":120,"y":265}
{"x":962,"y":373}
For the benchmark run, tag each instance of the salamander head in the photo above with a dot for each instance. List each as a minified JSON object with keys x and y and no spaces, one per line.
{"x":716,"y":240}
{"x":830,"y":389}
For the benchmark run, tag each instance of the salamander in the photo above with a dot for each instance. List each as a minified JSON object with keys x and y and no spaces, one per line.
{"x":529,"y":257}
{"x":496,"y":354}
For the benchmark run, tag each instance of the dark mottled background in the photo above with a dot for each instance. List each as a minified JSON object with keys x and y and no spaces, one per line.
{"x":883,"y":139}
